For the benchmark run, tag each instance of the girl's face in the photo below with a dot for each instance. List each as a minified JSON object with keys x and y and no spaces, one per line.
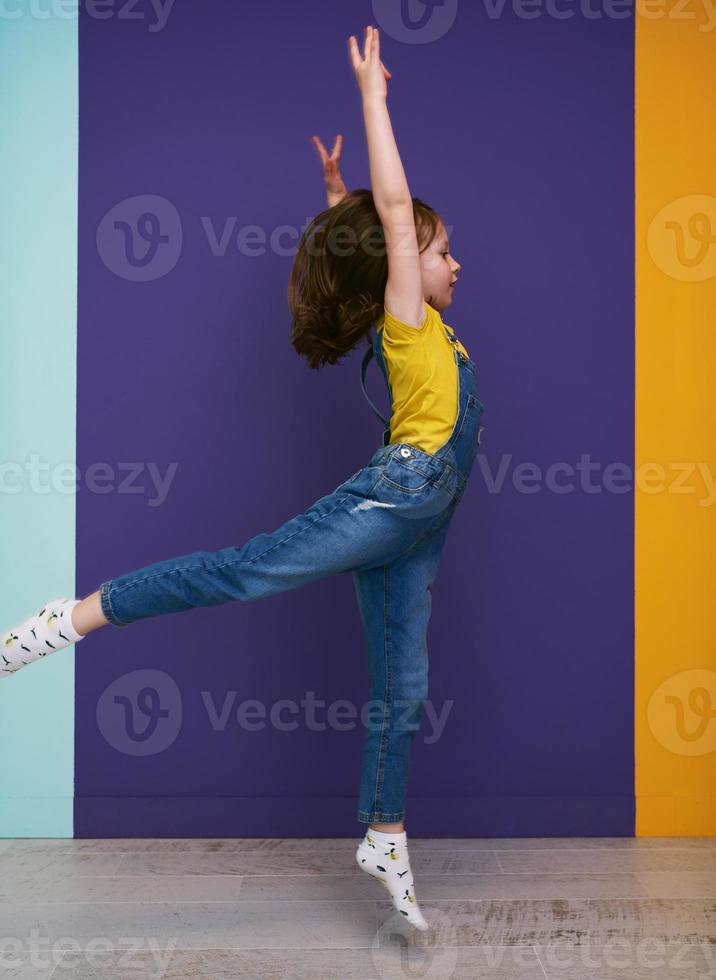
{"x":439,"y":271}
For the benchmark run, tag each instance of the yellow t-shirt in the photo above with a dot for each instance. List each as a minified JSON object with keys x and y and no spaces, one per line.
{"x":423,"y":379}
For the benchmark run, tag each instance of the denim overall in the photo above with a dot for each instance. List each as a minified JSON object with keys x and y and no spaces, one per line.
{"x":386,"y":525}
{"x":395,"y":600}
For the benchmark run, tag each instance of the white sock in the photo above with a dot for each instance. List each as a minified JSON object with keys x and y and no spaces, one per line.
{"x":46,"y":631}
{"x":385,"y":856}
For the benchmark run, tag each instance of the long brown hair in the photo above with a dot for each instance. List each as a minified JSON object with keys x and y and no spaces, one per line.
{"x":336,"y":290}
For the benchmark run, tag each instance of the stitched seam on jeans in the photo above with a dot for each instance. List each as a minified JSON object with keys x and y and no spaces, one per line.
{"x":453,"y":435}
{"x":464,"y":418}
{"x":373,"y":816}
{"x":235,"y":561}
{"x":457,"y":432}
{"x":382,"y":742}
{"x":397,"y":486}
{"x":407,"y":463}
{"x":107,"y":609}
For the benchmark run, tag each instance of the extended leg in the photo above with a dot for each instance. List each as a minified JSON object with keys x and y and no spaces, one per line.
{"x":350,"y":528}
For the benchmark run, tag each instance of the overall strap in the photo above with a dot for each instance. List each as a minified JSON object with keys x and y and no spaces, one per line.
{"x":363,"y":369}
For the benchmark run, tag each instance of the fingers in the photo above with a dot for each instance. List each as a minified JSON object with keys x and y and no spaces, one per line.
{"x":368,"y":47}
{"x":320,"y":147}
{"x":330,"y":163}
{"x":354,"y":52}
{"x":371,"y":49}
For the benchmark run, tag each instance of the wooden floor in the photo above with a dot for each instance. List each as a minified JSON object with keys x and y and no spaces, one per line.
{"x":500,"y":909}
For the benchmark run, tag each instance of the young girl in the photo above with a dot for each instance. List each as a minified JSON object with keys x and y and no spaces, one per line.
{"x":370,"y":258}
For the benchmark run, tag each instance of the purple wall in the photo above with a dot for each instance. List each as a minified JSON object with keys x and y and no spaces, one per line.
{"x":520,"y":133}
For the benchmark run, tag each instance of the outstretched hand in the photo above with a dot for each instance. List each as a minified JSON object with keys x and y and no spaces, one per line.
{"x":331,"y":166}
{"x":371,"y":74}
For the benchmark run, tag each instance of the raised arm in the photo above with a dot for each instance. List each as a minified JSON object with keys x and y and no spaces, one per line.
{"x":393,"y":200}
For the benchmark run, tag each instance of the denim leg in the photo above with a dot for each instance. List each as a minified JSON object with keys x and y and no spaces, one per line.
{"x":395,"y":603}
{"x":356,"y":526}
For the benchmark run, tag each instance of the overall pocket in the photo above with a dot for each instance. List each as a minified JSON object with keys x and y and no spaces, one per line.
{"x":409,"y":473}
{"x":413,"y":486}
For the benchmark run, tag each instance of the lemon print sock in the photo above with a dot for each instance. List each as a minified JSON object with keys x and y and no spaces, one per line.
{"x":44,"y":632}
{"x":385,"y":856}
